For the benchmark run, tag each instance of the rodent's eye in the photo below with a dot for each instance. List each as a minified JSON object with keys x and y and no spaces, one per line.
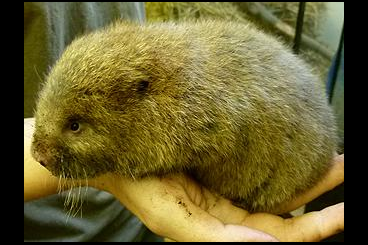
{"x":74,"y":126}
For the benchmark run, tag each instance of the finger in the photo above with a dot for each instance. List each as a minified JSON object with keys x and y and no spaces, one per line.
{"x":333,"y":178}
{"x":188,"y":222}
{"x":169,"y":212}
{"x":315,"y":226}
{"x":187,"y":216}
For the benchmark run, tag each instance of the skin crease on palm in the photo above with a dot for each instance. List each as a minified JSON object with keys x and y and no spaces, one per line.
{"x":178,"y":208}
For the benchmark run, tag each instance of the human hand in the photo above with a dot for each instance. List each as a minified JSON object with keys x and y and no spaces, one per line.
{"x":178,"y":208}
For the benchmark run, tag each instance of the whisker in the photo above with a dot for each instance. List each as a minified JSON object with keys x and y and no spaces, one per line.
{"x":38,"y":75}
{"x":130,"y":172}
{"x":86,"y":187}
{"x":59,"y":189}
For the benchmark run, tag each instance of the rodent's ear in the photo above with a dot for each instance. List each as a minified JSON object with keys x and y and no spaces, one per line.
{"x":142,"y":86}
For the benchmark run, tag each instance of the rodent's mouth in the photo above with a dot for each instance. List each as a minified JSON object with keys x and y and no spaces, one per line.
{"x":66,"y":164}
{"x":72,"y":173}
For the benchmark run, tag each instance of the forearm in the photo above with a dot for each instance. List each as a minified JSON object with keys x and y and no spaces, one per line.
{"x":38,"y":181}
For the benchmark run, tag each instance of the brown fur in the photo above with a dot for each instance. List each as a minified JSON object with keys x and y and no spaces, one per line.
{"x":222,"y":101}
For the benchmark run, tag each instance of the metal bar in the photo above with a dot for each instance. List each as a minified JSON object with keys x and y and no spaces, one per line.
{"x":299,"y":28}
{"x":336,"y":68}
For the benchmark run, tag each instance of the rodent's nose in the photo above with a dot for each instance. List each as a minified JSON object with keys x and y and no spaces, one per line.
{"x":43,"y":163}
{"x":43,"y":159}
{"x":41,"y":153}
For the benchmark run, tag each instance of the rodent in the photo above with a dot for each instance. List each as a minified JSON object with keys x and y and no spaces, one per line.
{"x":221,"y":101}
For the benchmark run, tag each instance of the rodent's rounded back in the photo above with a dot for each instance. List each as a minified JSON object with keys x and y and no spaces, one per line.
{"x":223,"y":101}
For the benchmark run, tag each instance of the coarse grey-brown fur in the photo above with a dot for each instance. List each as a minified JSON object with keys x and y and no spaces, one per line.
{"x":221,"y":101}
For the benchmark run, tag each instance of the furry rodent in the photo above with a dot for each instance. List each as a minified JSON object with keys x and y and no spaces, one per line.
{"x":222,"y":101}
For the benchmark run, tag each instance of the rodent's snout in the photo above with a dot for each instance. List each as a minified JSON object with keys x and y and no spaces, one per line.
{"x":43,"y":164}
{"x":42,"y":155}
{"x":43,"y":159}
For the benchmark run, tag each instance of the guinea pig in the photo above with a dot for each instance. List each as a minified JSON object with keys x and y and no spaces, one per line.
{"x":223,"y":102}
